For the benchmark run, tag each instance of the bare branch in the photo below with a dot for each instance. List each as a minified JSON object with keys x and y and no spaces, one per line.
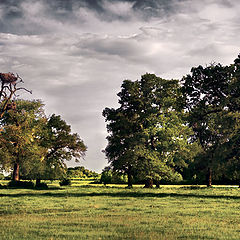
{"x":22,"y":88}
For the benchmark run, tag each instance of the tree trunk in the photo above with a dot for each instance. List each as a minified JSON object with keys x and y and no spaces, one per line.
{"x":157,"y":184}
{"x":148,"y":183}
{"x":130,"y":179}
{"x":16,"y":172}
{"x":38,"y":181}
{"x":209,"y":177}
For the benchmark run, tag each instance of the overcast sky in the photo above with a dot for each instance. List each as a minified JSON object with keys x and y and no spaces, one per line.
{"x":74,"y":55}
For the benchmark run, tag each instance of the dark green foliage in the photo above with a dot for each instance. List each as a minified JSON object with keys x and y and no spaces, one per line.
{"x":41,"y":185}
{"x":35,"y":146}
{"x":108,"y":176}
{"x":148,"y":135}
{"x":60,"y":145}
{"x":161,"y":127}
{"x":18,"y":144}
{"x":65,"y":182}
{"x":81,"y":172}
{"x":211,"y":100}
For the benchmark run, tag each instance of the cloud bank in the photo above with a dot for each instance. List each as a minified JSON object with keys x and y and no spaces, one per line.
{"x":74,"y":55}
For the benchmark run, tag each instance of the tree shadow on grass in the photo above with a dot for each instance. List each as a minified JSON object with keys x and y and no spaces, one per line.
{"x":31,"y":188}
{"x":121,"y":194}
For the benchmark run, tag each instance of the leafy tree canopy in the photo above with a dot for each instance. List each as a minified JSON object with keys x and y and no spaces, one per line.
{"x":148,"y":133}
{"x":212,"y":103}
{"x":36,"y":146}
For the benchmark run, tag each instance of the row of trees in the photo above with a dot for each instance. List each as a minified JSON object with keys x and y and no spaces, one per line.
{"x":164,"y":128}
{"x":33,"y":145}
{"x":81,"y":172}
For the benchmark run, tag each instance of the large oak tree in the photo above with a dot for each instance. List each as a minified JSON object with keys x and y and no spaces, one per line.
{"x":212,"y":102}
{"x":148,"y":136}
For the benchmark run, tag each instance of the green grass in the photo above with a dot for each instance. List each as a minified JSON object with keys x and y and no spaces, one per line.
{"x":96,"y":212}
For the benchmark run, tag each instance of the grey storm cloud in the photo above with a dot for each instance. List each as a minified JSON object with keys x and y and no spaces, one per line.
{"x":74,"y":55}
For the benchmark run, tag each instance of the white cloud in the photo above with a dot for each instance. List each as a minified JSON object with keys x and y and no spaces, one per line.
{"x":217,"y":13}
{"x":77,"y":63}
{"x":119,"y":8}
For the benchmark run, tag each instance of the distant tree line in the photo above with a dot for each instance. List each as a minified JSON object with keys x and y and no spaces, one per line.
{"x":81,"y":172}
{"x":109,"y":176}
{"x":172,"y":130}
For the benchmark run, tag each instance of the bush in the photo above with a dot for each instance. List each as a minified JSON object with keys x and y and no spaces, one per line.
{"x":65,"y":182}
{"x":21,"y":184}
{"x":41,"y":186}
{"x":109,"y":176}
{"x":106,"y":177}
{"x":9,"y":177}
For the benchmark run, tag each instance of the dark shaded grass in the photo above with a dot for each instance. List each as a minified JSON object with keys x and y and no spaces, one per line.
{"x":119,"y":194}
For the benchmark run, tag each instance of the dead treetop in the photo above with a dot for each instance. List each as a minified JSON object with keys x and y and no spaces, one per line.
{"x":8,"y":78}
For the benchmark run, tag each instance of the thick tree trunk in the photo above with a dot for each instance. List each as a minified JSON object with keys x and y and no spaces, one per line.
{"x":38,"y":181}
{"x":130,"y":179}
{"x":209,"y":177}
{"x":148,"y":183}
{"x":157,"y":184}
{"x":16,"y":172}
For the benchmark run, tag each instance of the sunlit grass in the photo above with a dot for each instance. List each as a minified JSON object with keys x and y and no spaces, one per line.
{"x":96,"y":212}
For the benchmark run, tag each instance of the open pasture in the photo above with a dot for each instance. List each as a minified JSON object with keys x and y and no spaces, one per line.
{"x":85,"y":211}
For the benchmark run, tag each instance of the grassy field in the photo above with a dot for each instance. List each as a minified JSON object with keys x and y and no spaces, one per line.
{"x":96,"y":212}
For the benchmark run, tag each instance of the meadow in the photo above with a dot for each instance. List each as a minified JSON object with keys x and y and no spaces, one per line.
{"x":87,"y":211}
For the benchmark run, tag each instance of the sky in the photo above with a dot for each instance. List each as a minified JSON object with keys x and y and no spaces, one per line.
{"x":75,"y":54}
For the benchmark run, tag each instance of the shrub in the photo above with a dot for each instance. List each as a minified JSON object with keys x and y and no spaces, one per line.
{"x":21,"y":184}
{"x":9,"y":177}
{"x":106,"y":177}
{"x":65,"y":182}
{"x":41,"y":186}
{"x":109,"y":176}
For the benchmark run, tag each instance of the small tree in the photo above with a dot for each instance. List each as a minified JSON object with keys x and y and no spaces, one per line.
{"x":106,"y":176}
{"x":36,"y":146}
{"x":17,"y":145}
